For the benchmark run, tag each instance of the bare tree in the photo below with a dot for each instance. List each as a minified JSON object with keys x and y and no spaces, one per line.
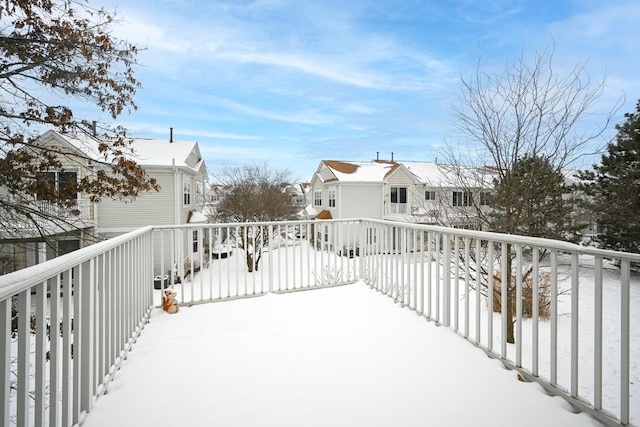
{"x":255,"y":193}
{"x":54,"y":53}
{"x":519,"y":131}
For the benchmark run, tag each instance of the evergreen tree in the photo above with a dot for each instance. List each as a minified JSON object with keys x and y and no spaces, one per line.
{"x":531,"y":199}
{"x":614,"y":188}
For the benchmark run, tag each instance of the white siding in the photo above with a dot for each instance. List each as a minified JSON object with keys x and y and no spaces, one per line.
{"x":153,"y":208}
{"x":359,"y":201}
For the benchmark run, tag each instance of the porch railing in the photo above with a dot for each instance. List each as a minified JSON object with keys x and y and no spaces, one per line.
{"x":68,"y":323}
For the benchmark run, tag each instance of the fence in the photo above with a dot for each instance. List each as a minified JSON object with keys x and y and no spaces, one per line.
{"x":558,"y":313}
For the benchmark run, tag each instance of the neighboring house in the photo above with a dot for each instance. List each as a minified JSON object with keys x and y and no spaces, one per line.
{"x":214,"y":196}
{"x":178,"y":168}
{"x":418,"y":192}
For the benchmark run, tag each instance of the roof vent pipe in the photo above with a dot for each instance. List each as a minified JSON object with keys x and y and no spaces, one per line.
{"x":392,"y":156}
{"x":377,"y":156}
{"x":94,"y":130}
{"x":170,"y":134}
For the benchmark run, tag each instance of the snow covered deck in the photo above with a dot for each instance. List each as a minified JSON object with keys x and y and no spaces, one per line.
{"x":343,"y":356}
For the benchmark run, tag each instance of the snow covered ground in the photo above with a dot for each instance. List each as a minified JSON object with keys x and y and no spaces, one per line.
{"x":346,"y":356}
{"x":341,"y":356}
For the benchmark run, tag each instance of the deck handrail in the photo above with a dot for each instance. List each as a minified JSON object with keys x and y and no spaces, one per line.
{"x":454,"y":277}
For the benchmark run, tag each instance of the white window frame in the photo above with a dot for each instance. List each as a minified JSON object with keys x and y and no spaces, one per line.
{"x":399,"y":206}
{"x":317,"y":198}
{"x":462,"y":198}
{"x":186,"y":191}
{"x":199,"y":193}
{"x":332,"y":197}
{"x":429,"y":195}
{"x":195,"y":241}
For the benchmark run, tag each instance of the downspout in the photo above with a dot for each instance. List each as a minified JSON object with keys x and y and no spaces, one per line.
{"x":176,"y":204}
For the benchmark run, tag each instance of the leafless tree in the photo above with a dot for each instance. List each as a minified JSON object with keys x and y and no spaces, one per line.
{"x":528,"y":113}
{"x":255,"y":193}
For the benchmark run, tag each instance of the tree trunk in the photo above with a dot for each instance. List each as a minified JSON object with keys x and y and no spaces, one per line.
{"x":249,"y":262}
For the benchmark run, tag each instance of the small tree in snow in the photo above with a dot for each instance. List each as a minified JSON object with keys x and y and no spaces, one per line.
{"x":255,"y":193}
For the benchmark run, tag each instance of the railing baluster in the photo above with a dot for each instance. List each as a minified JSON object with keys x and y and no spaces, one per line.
{"x":490,"y":295}
{"x":54,"y":350}
{"x":429,"y":273}
{"x":575,"y":304}
{"x":479,"y":289}
{"x":446,"y":283}
{"x":518,"y":331}
{"x":536,"y":310}
{"x":505,"y":285}
{"x":24,"y":371}
{"x":467,"y":261}
{"x":39,"y":367}
{"x":597,"y":335}
{"x":456,"y":285}
{"x":66,"y":349}
{"x":439,"y":278}
{"x":553,"y":347}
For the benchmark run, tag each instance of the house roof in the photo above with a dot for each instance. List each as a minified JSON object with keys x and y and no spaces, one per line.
{"x":324,"y":214}
{"x":342,"y":171}
{"x":146,"y":151}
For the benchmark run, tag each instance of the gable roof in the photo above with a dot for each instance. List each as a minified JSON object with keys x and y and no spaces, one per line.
{"x":147,"y":152}
{"x":324,"y":214}
{"x":335,"y":170}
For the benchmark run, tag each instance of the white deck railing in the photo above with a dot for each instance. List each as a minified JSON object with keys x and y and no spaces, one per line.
{"x":55,"y":368}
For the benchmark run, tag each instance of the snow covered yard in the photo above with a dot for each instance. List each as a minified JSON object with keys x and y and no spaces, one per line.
{"x":342,"y":356}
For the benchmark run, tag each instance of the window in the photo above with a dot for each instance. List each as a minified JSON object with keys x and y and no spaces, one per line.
{"x":332,"y":197}
{"x":195,"y":240}
{"x":484,"y":198}
{"x":462,"y":198}
{"x":399,"y":200}
{"x":199,"y":193}
{"x":186,"y":191}
{"x":317,"y":198}
{"x":429,"y":195}
{"x":63,"y":184}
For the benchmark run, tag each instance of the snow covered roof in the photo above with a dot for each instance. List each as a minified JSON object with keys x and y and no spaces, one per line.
{"x":431,"y":173}
{"x":147,"y":151}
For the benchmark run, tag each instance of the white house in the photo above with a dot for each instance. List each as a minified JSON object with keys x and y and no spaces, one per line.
{"x":420,"y":192}
{"x":177,"y":166}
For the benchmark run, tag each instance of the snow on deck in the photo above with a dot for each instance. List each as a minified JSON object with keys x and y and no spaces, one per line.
{"x":344,"y":356}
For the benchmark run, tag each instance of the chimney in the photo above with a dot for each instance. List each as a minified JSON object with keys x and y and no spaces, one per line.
{"x":377,"y":156}
{"x":170,"y":134}
{"x":94,"y":130}
{"x":392,"y":156}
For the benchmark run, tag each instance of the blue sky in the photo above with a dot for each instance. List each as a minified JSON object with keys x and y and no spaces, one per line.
{"x":293,"y":82}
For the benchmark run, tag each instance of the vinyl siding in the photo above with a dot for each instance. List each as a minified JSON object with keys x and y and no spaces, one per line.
{"x":153,"y":208}
{"x":359,"y":201}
